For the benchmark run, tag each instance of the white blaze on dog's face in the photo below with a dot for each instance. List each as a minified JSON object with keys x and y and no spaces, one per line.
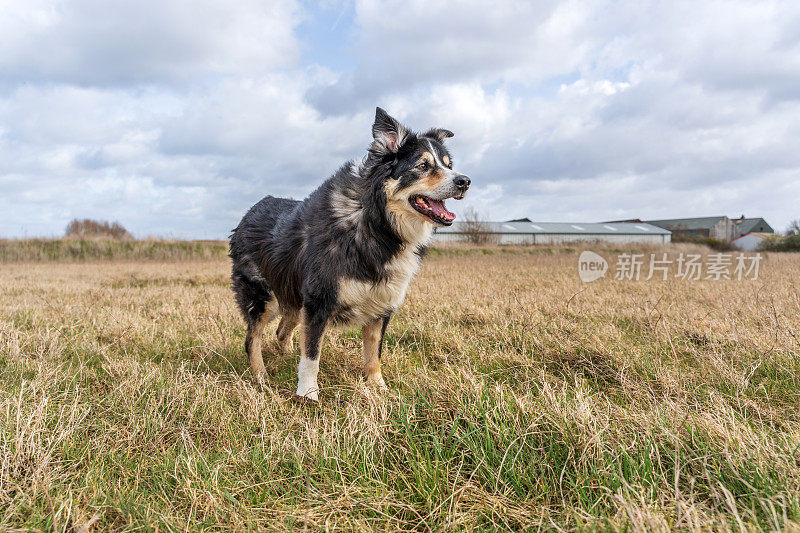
{"x":422,"y":178}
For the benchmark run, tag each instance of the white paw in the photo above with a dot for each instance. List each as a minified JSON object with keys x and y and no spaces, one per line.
{"x":310,"y":391}
{"x":307,"y":372}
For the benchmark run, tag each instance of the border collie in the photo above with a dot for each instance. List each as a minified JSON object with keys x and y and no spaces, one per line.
{"x":344,"y":256}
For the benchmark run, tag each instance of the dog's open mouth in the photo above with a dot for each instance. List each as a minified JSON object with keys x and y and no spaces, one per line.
{"x":433,"y":209}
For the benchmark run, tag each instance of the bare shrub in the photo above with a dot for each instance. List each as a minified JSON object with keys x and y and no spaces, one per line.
{"x":96,"y":229}
{"x":476,"y":229}
{"x":793,"y":228}
{"x":789,"y":243}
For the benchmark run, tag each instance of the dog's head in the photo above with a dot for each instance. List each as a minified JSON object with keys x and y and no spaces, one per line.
{"x":422,"y":175}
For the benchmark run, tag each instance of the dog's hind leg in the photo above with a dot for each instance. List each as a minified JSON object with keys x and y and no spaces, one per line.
{"x":285,"y":331}
{"x":258,"y":306}
{"x":372,"y":335}
{"x":255,"y":333}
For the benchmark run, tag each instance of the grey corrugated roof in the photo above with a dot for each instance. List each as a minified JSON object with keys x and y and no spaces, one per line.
{"x":747,"y":225}
{"x":563,"y":228}
{"x":686,"y":223}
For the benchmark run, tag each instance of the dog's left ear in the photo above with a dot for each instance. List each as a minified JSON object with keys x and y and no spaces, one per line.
{"x":388,"y":133}
{"x":439,"y":133}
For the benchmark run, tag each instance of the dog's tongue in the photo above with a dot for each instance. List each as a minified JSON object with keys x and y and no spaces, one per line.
{"x":437,"y":206}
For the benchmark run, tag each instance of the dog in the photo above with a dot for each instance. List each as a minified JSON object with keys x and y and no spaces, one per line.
{"x":344,"y":256}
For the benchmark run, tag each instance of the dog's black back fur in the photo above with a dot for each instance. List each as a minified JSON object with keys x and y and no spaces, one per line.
{"x":282,"y":246}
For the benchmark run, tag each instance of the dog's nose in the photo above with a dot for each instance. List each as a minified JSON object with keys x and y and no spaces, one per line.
{"x":461,"y":181}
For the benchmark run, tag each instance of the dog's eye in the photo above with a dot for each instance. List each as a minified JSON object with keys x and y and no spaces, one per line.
{"x":422,"y":166}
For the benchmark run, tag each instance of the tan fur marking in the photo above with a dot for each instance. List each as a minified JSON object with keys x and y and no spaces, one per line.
{"x":412,"y":227}
{"x":427,"y":157}
{"x":285,"y":330}
{"x":433,"y":180}
{"x":303,"y":333}
{"x":254,"y":336}
{"x":446,"y":161}
{"x":371,"y":335}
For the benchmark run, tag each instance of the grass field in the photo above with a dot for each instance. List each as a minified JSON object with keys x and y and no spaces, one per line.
{"x":519,"y":398}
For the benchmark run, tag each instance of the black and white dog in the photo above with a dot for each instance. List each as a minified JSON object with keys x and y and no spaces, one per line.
{"x":344,"y":256}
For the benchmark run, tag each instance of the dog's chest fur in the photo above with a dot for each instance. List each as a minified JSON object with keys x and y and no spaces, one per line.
{"x":360,"y":302}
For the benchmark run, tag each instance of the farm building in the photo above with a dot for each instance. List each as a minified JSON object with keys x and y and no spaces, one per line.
{"x":751,"y":225}
{"x":554,"y":232}
{"x":751,"y":241}
{"x":720,"y":227}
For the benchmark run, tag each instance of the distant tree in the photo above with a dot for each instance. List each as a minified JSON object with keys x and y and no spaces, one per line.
{"x":794,"y":228}
{"x":94,"y":229}
{"x":475,"y":227}
{"x":779,"y":243}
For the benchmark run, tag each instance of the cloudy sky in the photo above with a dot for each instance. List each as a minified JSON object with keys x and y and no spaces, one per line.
{"x":174,"y":117}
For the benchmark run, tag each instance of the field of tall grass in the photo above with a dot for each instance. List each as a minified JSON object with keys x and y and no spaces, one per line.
{"x":72,"y":249}
{"x":519,"y":398}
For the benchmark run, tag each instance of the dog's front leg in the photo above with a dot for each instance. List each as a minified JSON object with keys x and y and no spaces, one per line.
{"x":312,"y":326}
{"x":372,"y":334}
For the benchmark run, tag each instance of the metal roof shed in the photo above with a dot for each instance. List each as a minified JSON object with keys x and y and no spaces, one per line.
{"x":557,"y":232}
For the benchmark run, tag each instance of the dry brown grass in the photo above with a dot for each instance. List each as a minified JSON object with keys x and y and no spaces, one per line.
{"x":76,"y":249}
{"x":519,"y":398}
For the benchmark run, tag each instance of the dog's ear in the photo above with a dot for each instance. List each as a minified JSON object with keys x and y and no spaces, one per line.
{"x":388,"y":133}
{"x":439,"y":133}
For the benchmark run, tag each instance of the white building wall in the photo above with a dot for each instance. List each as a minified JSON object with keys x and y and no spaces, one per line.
{"x":748,"y":242}
{"x":545,"y":238}
{"x":514,"y":238}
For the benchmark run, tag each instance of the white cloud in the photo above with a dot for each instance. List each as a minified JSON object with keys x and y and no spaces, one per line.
{"x":91,"y":42}
{"x":175,"y":117}
{"x":164,"y":163}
